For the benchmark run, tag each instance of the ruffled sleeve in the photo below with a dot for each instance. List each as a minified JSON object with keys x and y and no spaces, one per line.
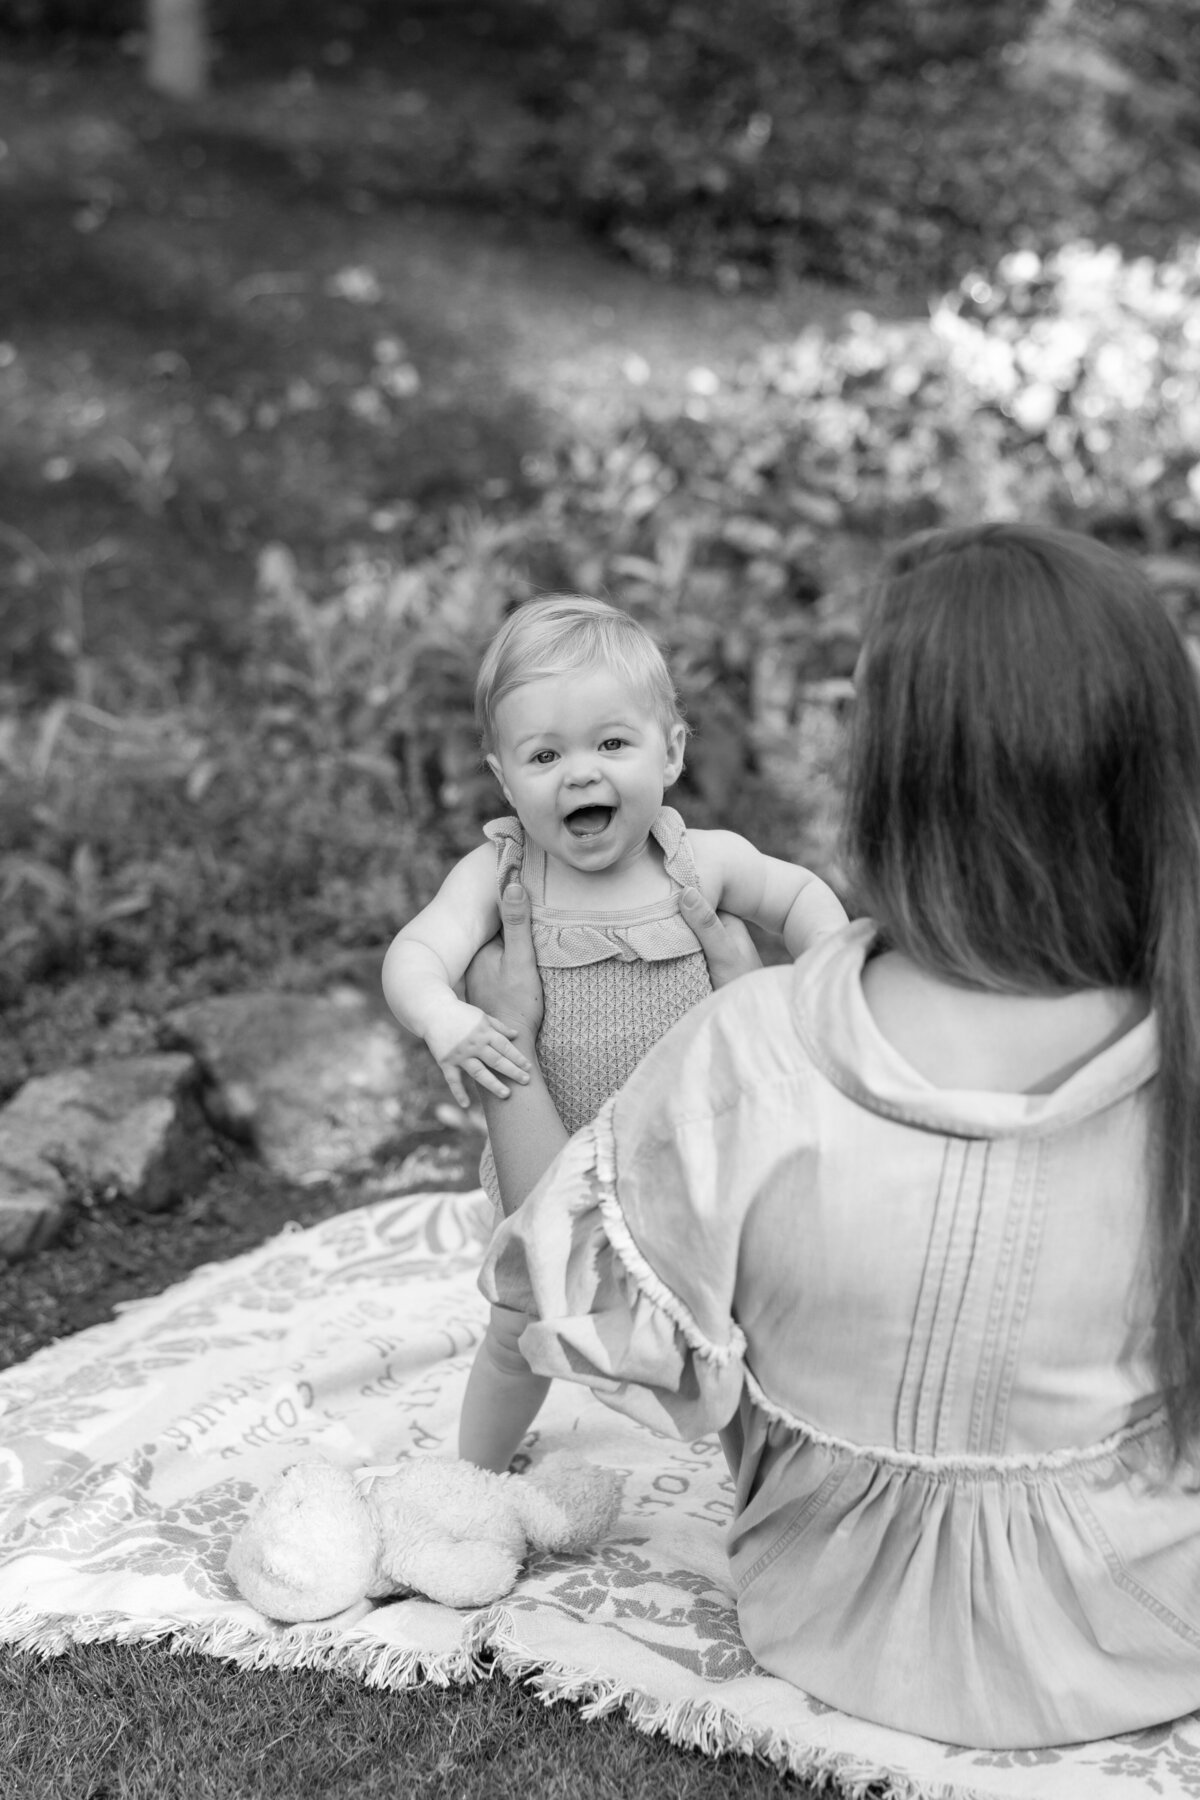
{"x":599,"y":1314}
{"x":625,"y":1256}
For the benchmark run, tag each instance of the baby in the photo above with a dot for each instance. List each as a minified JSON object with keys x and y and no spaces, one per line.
{"x":582,"y":729}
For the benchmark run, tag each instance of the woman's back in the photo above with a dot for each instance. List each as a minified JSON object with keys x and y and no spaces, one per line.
{"x":955,"y":1509}
{"x":972,"y":1253}
{"x":935,"y":1269}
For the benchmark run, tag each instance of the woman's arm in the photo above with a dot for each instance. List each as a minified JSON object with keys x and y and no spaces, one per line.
{"x":526,"y":1132}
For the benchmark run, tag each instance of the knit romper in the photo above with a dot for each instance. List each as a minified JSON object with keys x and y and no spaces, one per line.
{"x":613,"y":983}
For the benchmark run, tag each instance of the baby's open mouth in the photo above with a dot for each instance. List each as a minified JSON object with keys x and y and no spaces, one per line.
{"x":588,"y":821}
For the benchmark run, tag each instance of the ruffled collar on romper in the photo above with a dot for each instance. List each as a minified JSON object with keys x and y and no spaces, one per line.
{"x":568,"y":939}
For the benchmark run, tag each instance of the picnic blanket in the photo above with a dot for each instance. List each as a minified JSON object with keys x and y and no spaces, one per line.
{"x":129,"y":1455}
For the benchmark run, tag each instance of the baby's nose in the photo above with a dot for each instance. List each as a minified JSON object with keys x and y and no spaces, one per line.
{"x":583,"y":769}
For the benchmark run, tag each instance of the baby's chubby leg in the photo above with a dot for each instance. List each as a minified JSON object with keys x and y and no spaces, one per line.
{"x":503,"y":1395}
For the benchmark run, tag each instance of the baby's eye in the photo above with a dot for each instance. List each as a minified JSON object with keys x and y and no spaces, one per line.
{"x":614,"y":743}
{"x":544,"y":756}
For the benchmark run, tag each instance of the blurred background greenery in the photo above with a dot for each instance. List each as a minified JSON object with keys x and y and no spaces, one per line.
{"x":424,"y":306}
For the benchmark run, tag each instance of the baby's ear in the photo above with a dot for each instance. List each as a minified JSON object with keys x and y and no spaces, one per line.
{"x":676,"y":740}
{"x":493,"y":763}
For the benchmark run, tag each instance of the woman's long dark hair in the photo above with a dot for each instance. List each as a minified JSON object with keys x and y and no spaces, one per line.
{"x":1024,"y":816}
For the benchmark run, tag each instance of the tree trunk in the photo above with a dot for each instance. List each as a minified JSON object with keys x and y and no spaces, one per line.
{"x":176,"y":47}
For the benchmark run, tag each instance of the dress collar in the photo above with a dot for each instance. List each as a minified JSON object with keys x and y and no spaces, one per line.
{"x":847,"y":1046}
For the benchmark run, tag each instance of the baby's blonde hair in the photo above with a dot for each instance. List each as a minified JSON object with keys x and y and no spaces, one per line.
{"x":561,"y":635}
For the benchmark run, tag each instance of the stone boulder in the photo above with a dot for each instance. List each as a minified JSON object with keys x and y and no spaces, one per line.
{"x":129,"y":1127}
{"x":314,"y":1083}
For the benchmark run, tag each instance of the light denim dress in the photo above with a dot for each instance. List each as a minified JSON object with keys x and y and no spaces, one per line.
{"x":925,"y":1316}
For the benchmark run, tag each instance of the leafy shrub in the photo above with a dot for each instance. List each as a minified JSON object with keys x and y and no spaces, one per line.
{"x":1092,"y":364}
{"x":743,"y":521}
{"x":313,"y":806}
{"x":1064,"y":386}
{"x":740,"y":517}
{"x":376,"y":681}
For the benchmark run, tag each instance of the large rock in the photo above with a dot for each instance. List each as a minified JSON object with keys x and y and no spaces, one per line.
{"x":131,"y":1127}
{"x":316,"y":1083}
{"x":30,"y":1214}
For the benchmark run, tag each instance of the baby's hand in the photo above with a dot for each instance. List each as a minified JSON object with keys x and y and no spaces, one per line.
{"x":466,"y":1041}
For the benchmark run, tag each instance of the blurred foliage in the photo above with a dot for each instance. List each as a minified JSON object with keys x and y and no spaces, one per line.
{"x":1087,"y":369}
{"x":308,"y":801}
{"x":46,"y":18}
{"x":740,"y":519}
{"x":887,"y":142}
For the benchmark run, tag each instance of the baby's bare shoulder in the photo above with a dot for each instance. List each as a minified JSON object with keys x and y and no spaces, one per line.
{"x":719,"y":857}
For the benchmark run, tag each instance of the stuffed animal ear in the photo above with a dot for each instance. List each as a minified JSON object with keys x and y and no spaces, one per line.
{"x":308,"y":1549}
{"x":567,"y":1503}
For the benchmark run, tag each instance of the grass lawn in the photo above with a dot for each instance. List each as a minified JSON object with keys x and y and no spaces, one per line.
{"x":133,"y":1722}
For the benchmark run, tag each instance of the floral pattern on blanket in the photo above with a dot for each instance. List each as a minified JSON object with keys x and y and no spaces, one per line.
{"x":675,"y":1613}
{"x":190,"y":1541}
{"x":1164,"y":1759}
{"x":130,"y":1455}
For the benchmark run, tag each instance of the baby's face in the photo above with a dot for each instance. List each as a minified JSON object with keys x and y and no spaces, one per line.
{"x":584,"y":763}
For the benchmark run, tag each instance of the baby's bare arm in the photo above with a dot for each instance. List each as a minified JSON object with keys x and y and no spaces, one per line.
{"x":428,"y":957}
{"x":425,"y":963}
{"x":780,"y":896}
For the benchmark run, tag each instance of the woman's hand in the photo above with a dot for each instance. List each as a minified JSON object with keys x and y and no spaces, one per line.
{"x":503,"y":979}
{"x":727,"y":945}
